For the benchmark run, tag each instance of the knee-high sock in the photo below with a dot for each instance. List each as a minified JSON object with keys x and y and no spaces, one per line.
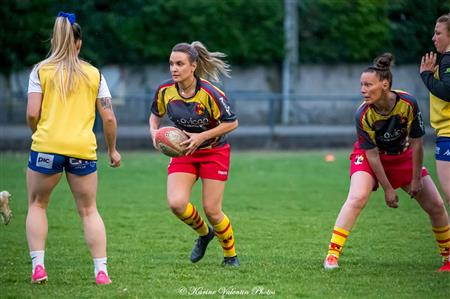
{"x":191,"y":217}
{"x":224,"y":233}
{"x":442,"y":235}
{"x":337,"y":241}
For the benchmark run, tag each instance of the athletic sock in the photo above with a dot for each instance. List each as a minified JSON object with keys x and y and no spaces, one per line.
{"x":37,"y":258}
{"x":191,"y":217}
{"x":337,"y":241}
{"x":100,"y":265}
{"x":224,"y":233}
{"x":442,"y":235}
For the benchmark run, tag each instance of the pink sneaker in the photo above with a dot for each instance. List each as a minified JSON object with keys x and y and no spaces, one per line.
{"x":331,"y":262}
{"x":102,"y":278}
{"x":445,"y":267}
{"x":39,"y":275}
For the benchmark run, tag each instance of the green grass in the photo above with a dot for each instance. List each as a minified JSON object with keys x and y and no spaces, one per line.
{"x":282,"y":205}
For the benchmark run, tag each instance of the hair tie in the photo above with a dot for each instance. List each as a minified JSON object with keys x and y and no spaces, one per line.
{"x":69,"y":16}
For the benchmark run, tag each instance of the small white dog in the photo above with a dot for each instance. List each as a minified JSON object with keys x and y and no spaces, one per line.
{"x":5,"y":211}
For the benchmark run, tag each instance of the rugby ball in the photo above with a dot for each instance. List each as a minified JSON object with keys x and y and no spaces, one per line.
{"x":168,"y":139}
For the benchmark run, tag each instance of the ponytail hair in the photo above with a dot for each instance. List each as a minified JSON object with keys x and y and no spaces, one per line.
{"x":209,"y":64}
{"x":382,"y":67}
{"x":64,"y":55}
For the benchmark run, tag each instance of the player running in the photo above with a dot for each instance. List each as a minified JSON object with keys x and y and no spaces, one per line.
{"x":202,"y":110}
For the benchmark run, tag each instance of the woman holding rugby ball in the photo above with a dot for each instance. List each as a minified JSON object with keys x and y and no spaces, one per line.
{"x":202,"y":111}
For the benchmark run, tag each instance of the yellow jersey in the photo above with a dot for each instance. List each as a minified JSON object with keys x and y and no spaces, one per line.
{"x":65,"y":127}
{"x":439,"y":114}
{"x":439,"y":86}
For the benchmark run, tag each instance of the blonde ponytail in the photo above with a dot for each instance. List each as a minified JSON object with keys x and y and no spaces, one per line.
{"x":64,"y":56}
{"x":209,"y":64}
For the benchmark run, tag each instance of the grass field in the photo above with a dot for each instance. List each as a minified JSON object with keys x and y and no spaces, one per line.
{"x":282,"y":205}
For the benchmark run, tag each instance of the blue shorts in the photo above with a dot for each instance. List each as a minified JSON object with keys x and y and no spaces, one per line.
{"x":54,"y":163}
{"x":443,"y":149}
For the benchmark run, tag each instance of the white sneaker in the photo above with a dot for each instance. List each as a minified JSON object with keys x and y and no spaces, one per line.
{"x":331,"y":262}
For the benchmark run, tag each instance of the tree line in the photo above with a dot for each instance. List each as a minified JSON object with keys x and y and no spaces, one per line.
{"x":136,"y":32}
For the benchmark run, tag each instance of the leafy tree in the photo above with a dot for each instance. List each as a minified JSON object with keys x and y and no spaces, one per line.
{"x":250,"y":32}
{"x":412,"y":26}
{"x":335,"y":31}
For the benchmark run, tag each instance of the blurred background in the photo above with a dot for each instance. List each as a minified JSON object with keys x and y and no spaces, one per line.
{"x":295,"y":63}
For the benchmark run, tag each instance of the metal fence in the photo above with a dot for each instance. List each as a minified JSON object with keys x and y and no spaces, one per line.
{"x":252,"y":108}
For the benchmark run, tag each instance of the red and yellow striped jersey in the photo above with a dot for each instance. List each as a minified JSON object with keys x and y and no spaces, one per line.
{"x":205,"y":110}
{"x":390,"y":133}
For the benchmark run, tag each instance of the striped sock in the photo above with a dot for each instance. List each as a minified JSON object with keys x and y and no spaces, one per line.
{"x":442,"y":235}
{"x":191,"y":217}
{"x":337,"y":241}
{"x":224,"y":233}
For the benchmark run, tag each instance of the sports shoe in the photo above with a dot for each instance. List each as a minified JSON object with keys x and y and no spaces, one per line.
{"x":201,"y":244}
{"x":39,"y":275}
{"x":5,"y":211}
{"x":445,"y":267}
{"x":102,"y":278}
{"x":231,"y":261}
{"x":331,"y":262}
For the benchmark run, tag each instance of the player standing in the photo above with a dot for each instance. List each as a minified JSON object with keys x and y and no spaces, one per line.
{"x":437,"y":80}
{"x":63,"y":94}
{"x":389,"y":152}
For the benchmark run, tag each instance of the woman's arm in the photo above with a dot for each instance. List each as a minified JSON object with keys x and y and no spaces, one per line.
{"x":440,"y":88}
{"x":390,"y":196}
{"x":416,"y":182}
{"x":154,"y":122}
{"x":105,"y":110}
{"x":196,"y":139}
{"x":34,"y":110}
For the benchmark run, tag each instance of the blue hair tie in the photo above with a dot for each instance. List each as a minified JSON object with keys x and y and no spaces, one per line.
{"x":69,"y":16}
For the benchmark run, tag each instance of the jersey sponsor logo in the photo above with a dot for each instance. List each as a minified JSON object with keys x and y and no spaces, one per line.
{"x":359,"y":160}
{"x":45,"y":160}
{"x":394,"y":134}
{"x":191,"y":122}
{"x":225,"y":105}
{"x":391,"y":133}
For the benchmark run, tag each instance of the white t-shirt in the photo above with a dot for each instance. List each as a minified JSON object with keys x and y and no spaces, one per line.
{"x":34,"y":85}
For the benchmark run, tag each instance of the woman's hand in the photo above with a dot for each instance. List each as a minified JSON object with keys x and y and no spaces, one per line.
{"x":391,"y":198}
{"x":428,"y":63}
{"x":152,"y":135}
{"x":154,"y":123}
{"x":114,"y":158}
{"x":194,"y":141}
{"x":415,"y":187}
